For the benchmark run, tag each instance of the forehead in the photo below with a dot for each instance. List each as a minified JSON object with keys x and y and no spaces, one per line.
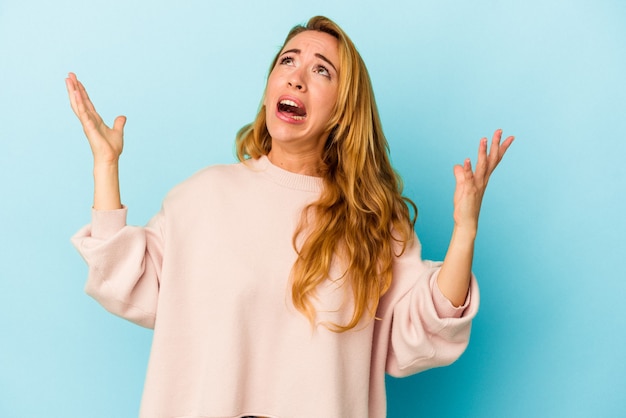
{"x":315,"y":42}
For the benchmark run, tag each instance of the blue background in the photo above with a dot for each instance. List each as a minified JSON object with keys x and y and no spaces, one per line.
{"x":549,"y":340}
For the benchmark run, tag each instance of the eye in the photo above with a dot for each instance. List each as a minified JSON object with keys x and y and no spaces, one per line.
{"x":287,"y":60}
{"x":320,"y":69}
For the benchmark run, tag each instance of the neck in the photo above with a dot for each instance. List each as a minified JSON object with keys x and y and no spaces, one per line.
{"x":306,"y":163}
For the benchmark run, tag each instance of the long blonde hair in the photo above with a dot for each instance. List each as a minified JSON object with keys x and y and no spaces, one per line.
{"x":360,"y":213}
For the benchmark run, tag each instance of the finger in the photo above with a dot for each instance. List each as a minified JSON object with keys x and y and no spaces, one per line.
{"x":80,"y":102}
{"x":467,"y":170}
{"x":69,"y":82}
{"x":497,"y":151}
{"x":463,"y":173}
{"x":482,"y":162}
{"x":87,"y":101}
{"x":89,"y":119}
{"x":505,"y":145}
{"x":71,"y":89}
{"x":494,"y":152}
{"x":494,"y":156}
{"x":459,"y":174}
{"x":118,"y":124}
{"x":86,"y":111}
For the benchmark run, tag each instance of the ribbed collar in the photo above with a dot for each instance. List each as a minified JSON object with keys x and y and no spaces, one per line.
{"x":286,"y":178}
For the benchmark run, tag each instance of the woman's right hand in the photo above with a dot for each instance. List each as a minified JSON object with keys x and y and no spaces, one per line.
{"x":106,"y":143}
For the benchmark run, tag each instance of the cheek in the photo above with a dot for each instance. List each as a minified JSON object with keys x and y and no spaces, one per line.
{"x":330,"y":100}
{"x":269,"y":88}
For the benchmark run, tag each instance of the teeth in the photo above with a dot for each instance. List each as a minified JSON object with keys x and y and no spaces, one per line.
{"x":289,"y":103}
{"x":289,"y":108}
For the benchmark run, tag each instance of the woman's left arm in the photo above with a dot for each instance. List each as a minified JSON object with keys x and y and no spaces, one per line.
{"x":454,"y":277}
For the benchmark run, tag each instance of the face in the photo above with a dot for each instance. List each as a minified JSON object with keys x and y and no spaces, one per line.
{"x":302,"y":91}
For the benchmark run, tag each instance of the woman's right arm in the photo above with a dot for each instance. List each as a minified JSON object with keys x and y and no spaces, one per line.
{"x":124,"y":261}
{"x":106,"y":145}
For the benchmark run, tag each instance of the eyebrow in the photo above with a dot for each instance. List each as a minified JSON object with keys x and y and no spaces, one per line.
{"x":320,"y":56}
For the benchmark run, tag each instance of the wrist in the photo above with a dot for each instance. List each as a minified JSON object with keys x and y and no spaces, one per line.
{"x":106,"y":186}
{"x":105,"y":165}
{"x":465,"y":233}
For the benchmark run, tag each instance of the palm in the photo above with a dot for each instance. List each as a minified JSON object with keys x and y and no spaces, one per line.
{"x":471,"y":186}
{"x":106,"y":143}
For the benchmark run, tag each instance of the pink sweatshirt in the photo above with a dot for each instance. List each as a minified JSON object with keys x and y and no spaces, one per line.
{"x":210,"y":273}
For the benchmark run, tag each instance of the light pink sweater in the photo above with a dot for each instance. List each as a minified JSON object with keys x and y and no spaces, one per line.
{"x":210,"y":273}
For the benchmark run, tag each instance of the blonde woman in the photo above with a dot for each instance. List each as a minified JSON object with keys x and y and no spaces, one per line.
{"x":288,"y":284}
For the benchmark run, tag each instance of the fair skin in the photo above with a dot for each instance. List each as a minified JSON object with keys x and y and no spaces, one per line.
{"x":106,"y":145}
{"x":305,"y":75}
{"x":454,"y":277}
{"x":301,"y":92}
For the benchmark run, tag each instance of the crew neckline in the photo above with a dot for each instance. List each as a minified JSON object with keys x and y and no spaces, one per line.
{"x":287,"y":178}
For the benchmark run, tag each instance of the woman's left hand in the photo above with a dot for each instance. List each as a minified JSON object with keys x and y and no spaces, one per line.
{"x":471,"y":186}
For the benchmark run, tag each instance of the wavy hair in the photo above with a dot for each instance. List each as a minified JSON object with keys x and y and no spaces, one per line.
{"x":361,"y":214}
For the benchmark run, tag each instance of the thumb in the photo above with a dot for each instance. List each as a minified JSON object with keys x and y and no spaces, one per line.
{"x":119,"y":123}
{"x":459,"y":174}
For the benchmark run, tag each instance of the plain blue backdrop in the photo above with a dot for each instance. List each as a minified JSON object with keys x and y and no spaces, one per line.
{"x":550,"y":337}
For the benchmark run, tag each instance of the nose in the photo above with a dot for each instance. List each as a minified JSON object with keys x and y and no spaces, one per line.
{"x":296,"y":80}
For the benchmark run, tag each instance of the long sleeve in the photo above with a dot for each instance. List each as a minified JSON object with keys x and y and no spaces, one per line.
{"x":418,"y":328}
{"x":421,"y":327}
{"x":214,"y":266}
{"x":426,"y":331}
{"x":124,"y":264}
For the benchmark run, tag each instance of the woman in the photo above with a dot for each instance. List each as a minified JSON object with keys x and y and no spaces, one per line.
{"x":285,"y":285}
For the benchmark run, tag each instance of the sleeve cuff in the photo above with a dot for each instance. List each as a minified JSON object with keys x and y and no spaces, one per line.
{"x":106,"y":223}
{"x":443,"y":306}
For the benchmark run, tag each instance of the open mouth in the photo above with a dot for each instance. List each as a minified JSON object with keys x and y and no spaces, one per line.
{"x":291,"y":109}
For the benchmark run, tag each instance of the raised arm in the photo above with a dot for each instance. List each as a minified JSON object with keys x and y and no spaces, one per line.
{"x":454,"y":277}
{"x":106,"y":145}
